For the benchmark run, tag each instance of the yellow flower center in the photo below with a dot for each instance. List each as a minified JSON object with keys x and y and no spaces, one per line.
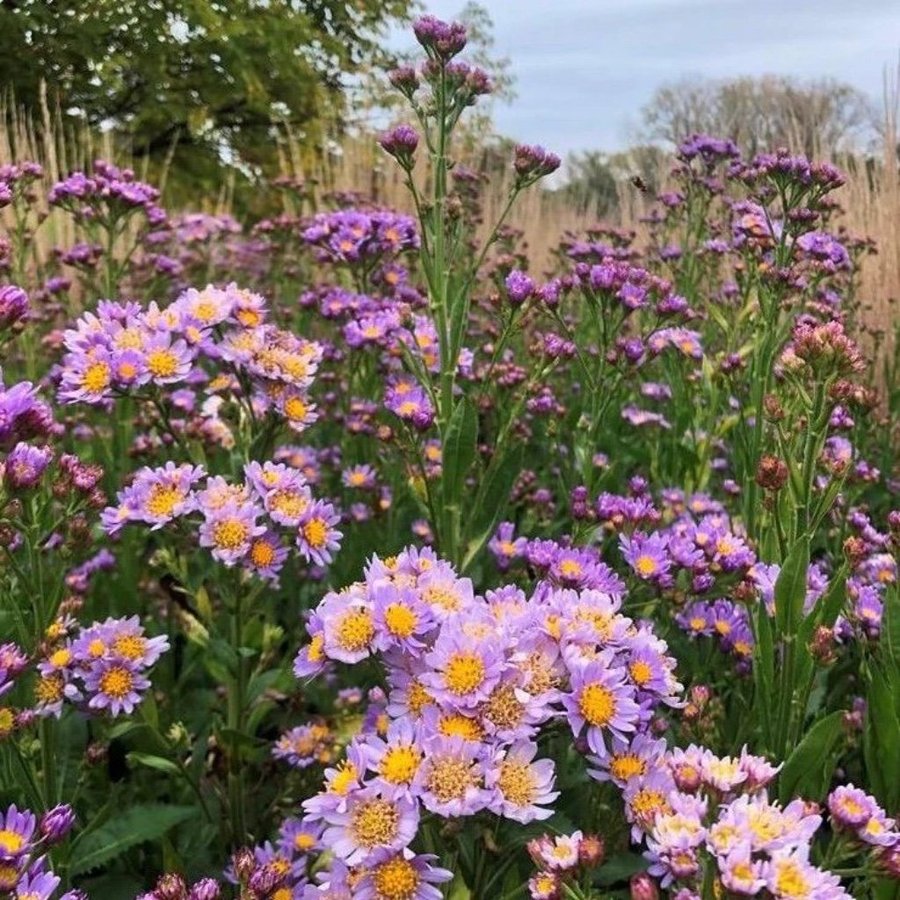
{"x":304,"y":841}
{"x":61,"y":657}
{"x":355,"y":630}
{"x":315,"y":532}
{"x":516,"y":782}
{"x":449,"y":779}
{"x":396,"y":879}
{"x":162,"y":499}
{"x":230,"y":534}
{"x":641,"y":672}
{"x":288,"y":503}
{"x":295,"y":409}
{"x":11,"y":841}
{"x":131,"y":646}
{"x":790,"y":881}
{"x":315,"y":653}
{"x":262,"y":553}
{"x":162,"y":363}
{"x":647,"y":804}
{"x":249,"y":318}
{"x":96,"y":648}
{"x":129,"y":339}
{"x":503,"y":708}
{"x":7,"y":720}
{"x":400,"y":763}
{"x":444,"y":597}
{"x":400,"y":620}
{"x":571,"y":568}
{"x":646,"y":565}
{"x":344,"y":779}
{"x":127,"y":370}
{"x":597,"y":704}
{"x":116,"y":682}
{"x":374,"y":822}
{"x":49,"y":689}
{"x":204,"y":310}
{"x":627,"y":766}
{"x":417,"y":698}
{"x":460,"y":726}
{"x":96,"y":378}
{"x":464,"y":673}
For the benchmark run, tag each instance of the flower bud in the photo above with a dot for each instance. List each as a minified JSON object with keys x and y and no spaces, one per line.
{"x":170,"y":887}
{"x":13,"y":305}
{"x":643,"y":887}
{"x":243,"y":863}
{"x":57,"y":822}
{"x":771,"y":473}
{"x":532,"y":163}
{"x":400,"y":142}
{"x":591,"y":851}
{"x":205,"y":889}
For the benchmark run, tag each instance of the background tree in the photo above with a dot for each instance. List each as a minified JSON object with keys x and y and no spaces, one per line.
{"x":821,"y":116}
{"x":201,"y":79}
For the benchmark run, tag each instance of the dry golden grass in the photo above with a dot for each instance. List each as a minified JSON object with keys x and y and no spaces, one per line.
{"x":871,"y":197}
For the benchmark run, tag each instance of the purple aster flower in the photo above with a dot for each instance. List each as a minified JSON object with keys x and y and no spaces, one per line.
{"x":25,"y":465}
{"x":646,"y":554}
{"x":36,"y":885}
{"x":407,"y":874}
{"x":115,"y":685}
{"x":348,"y":626}
{"x":370,"y":823}
{"x":602,"y":700}
{"x":317,"y":538}
{"x":522,"y":787}
{"x":450,"y":779}
{"x":56,"y":823}
{"x":395,"y":758}
{"x":464,"y":669}
{"x":16,"y":833}
{"x":401,"y":617}
{"x":229,"y":531}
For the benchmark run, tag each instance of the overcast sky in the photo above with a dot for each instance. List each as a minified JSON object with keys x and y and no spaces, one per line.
{"x":584,"y":68}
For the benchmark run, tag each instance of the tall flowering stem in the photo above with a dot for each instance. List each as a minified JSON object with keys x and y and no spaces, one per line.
{"x":438,"y":93}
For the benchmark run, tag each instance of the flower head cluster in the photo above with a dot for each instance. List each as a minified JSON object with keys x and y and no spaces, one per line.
{"x":106,"y":195}
{"x":25,"y":840}
{"x":123,"y":348}
{"x":22,"y":414}
{"x":560,"y":858}
{"x":354,"y":236}
{"x":242,"y":522}
{"x":696,"y":809}
{"x":473,"y":679}
{"x":101,"y":668}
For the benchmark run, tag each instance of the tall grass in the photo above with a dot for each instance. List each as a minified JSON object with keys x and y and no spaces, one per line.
{"x":870,"y":199}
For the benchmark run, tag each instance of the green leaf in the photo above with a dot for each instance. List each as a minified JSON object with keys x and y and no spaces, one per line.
{"x":881,"y":737}
{"x":458,"y":450}
{"x":764,"y":669}
{"x":159,"y":763}
{"x":141,"y":823}
{"x":790,"y":588}
{"x":492,"y":498}
{"x":808,"y":770}
{"x":619,"y":868}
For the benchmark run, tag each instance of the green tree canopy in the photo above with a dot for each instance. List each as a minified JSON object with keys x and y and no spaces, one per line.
{"x":210,"y":76}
